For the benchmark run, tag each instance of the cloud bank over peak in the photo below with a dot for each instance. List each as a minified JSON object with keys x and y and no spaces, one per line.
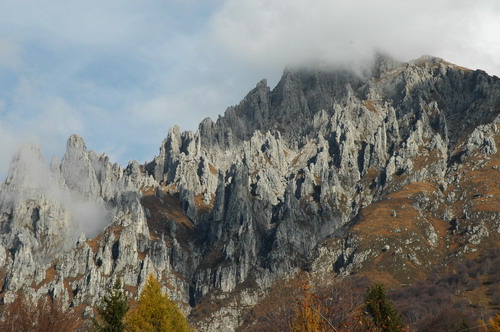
{"x":339,"y":32}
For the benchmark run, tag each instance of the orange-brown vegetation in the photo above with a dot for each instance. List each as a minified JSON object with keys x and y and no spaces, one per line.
{"x":50,"y":275}
{"x":463,"y":295}
{"x":212,"y":169}
{"x":210,"y":305}
{"x":306,"y":303}
{"x":425,"y":158}
{"x":397,"y":221}
{"x":308,"y":312}
{"x":162,"y":210}
{"x":275,"y":312}
{"x":369,"y":178}
{"x":369,"y":105}
{"x":130,"y":289}
{"x":201,"y":206}
{"x":295,"y":160}
{"x":67,"y":284}
{"x":436,"y":62}
{"x":45,"y":315}
{"x":482,"y":183}
{"x":94,"y":243}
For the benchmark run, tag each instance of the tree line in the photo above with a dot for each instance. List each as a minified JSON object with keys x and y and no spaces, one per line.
{"x":438,"y":303}
{"x":354,"y":304}
{"x":153,"y":312}
{"x":464,"y":297}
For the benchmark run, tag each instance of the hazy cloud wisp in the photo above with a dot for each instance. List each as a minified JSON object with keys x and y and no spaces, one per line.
{"x":279,"y":32}
{"x":31,"y":178}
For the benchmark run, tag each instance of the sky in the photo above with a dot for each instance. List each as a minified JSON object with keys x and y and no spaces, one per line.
{"x":121,"y":73}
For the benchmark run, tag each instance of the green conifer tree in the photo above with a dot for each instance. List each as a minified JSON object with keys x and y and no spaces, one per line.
{"x":381,"y":311}
{"x":112,"y":309}
{"x":155,"y":312}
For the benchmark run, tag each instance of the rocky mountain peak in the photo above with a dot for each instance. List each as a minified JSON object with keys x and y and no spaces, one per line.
{"x":327,"y":172}
{"x":75,"y":142}
{"x":28,"y":169}
{"x":384,"y":63}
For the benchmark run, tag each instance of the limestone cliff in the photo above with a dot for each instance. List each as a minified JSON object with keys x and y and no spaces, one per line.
{"x":331,"y":171}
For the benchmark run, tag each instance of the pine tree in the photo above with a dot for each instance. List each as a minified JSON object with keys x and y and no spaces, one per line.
{"x":112,"y":309}
{"x":155,"y":311}
{"x":379,"y":307}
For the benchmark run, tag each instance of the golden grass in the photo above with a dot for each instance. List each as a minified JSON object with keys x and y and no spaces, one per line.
{"x":201,"y":206}
{"x":369,"y":105}
{"x":212,"y":169}
{"x":94,"y":243}
{"x":50,"y":275}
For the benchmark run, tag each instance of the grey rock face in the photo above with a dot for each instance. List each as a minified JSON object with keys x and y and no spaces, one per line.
{"x":269,"y":189}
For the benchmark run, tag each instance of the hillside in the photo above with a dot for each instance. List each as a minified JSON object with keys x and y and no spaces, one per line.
{"x":391,"y":174}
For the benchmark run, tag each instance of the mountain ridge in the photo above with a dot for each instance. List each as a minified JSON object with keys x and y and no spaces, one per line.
{"x":300,"y":177}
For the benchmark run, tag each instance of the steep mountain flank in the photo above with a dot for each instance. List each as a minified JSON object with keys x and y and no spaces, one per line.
{"x":392,"y":173}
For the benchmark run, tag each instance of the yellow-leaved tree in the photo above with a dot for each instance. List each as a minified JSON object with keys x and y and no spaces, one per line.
{"x":308,"y":316}
{"x":155,"y":311}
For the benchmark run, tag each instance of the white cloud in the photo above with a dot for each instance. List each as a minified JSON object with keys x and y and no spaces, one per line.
{"x":180,"y":108}
{"x":45,"y":120}
{"x":9,"y":145}
{"x":481,"y":47}
{"x":37,"y":115}
{"x":33,"y":176}
{"x":278,"y":32}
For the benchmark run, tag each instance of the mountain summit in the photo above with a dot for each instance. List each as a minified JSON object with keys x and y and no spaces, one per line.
{"x":390,"y":173}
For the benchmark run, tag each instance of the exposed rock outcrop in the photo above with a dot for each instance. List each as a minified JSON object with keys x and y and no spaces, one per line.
{"x":326,"y":172}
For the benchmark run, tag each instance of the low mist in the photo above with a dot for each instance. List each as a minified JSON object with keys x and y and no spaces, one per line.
{"x":29,"y":177}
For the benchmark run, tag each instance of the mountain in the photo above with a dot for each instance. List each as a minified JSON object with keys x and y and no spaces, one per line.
{"x":391,"y":173}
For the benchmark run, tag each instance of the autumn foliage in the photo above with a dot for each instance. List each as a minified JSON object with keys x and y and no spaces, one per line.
{"x":155,"y":311}
{"x":308,"y":317}
{"x":493,"y":324}
{"x":312,"y":304}
{"x":44,"y":315}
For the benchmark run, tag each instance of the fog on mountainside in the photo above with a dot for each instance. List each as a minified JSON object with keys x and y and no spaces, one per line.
{"x":31,"y":179}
